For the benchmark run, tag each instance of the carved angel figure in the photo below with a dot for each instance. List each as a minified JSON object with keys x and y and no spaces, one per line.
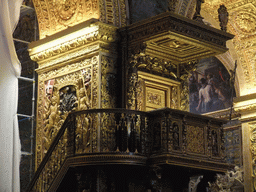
{"x":84,"y":102}
{"x":223,"y":17}
{"x":226,"y":182}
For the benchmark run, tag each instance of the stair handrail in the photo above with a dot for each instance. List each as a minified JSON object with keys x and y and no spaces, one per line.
{"x":49,"y":152}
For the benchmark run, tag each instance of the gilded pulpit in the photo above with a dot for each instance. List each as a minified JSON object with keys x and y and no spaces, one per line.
{"x":89,"y":65}
{"x":76,"y":71}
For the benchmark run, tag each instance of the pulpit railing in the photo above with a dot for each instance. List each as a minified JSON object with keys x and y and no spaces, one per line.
{"x":178,"y":132}
{"x":92,"y":131}
{"x":122,"y":131}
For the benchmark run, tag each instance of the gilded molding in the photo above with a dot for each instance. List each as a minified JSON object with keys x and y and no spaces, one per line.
{"x":253,"y":151}
{"x":102,"y":32}
{"x":246,"y":108}
{"x":165,"y":22}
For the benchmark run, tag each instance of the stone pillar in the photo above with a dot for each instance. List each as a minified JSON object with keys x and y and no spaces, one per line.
{"x":246,"y":106}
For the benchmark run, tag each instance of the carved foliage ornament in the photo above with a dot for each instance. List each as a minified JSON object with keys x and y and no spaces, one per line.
{"x":155,"y":64}
{"x":56,"y":15}
{"x":105,"y":33}
{"x":77,"y":77}
{"x":253,"y":151}
{"x":108,"y":84}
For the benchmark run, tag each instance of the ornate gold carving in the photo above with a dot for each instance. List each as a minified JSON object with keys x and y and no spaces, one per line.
{"x":149,"y":63}
{"x":253,"y":151}
{"x":154,"y":98}
{"x":155,"y":92}
{"x":113,"y":12}
{"x":246,"y":108}
{"x":140,"y":94}
{"x":246,"y":22}
{"x":101,"y":31}
{"x":95,"y":85}
{"x":195,"y":139}
{"x":175,"y":98}
{"x":50,"y":118}
{"x":54,"y":16}
{"x":108,"y":82}
{"x":83,"y":133}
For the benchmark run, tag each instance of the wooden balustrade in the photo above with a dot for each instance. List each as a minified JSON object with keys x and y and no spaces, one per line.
{"x":121,"y":131}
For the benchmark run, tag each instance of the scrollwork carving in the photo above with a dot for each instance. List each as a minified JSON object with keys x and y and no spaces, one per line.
{"x":154,"y":64}
{"x":253,"y":151}
{"x":195,"y":138}
{"x":108,"y":82}
{"x":54,"y":16}
{"x":184,"y":72}
{"x":78,"y":78}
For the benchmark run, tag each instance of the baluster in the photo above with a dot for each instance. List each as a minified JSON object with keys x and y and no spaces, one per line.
{"x":117,"y":133}
{"x":132,"y":134}
{"x":123,"y":130}
{"x":71,"y":139}
{"x":136,"y":135}
{"x":126,"y":131}
{"x":209,"y":140}
{"x":222,"y":140}
{"x":142,"y":134}
{"x":112,"y":135}
{"x":164,"y":143}
{"x":184,"y":135}
{"x":169,"y":134}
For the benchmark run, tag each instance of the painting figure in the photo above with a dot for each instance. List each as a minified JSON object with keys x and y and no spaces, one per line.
{"x":209,"y":87}
{"x":205,"y":97}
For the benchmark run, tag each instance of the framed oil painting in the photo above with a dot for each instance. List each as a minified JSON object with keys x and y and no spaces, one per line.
{"x":209,"y":87}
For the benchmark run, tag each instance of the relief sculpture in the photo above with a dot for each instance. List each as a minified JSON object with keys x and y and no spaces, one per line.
{"x":51,"y":117}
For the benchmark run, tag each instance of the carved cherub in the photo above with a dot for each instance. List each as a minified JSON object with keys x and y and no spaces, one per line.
{"x":84,"y":102}
{"x":51,"y":114}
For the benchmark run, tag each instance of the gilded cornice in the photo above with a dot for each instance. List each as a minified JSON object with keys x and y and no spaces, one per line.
{"x":175,"y":37}
{"x":104,"y":33}
{"x":173,"y":23}
{"x":246,"y":108}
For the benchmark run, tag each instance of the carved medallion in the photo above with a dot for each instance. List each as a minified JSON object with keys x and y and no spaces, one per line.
{"x":65,"y":9}
{"x":246,"y":22}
